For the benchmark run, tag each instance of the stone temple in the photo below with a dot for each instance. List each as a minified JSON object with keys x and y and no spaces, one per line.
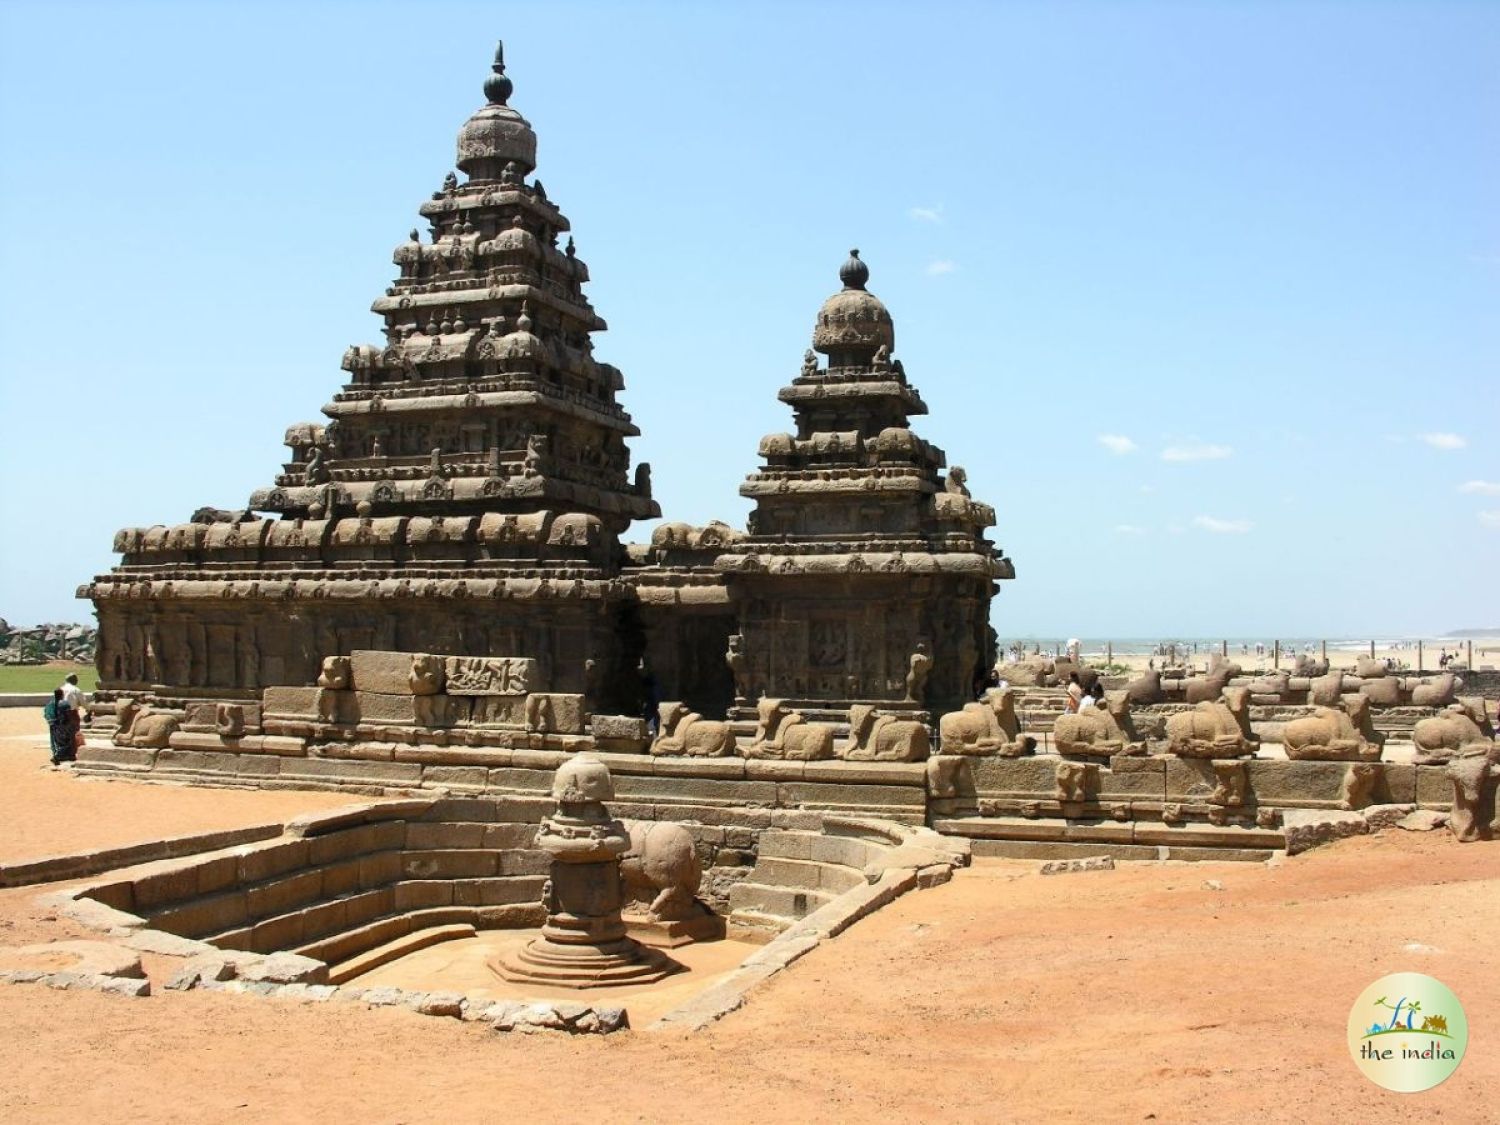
{"x":467,"y":491}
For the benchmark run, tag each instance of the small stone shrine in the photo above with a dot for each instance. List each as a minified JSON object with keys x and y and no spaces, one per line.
{"x":583,"y":943}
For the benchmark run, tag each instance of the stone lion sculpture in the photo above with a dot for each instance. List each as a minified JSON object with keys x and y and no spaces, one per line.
{"x":336,"y":673}
{"x":662,"y":869}
{"x":1443,"y":737}
{"x":685,"y":733}
{"x":989,"y":726}
{"x":874,"y":737}
{"x":1334,"y":734}
{"x":784,"y":733}
{"x":1097,"y":731}
{"x":426,"y":676}
{"x":1213,"y":729}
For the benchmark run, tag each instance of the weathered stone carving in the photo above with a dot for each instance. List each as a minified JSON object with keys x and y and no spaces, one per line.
{"x":1436,"y":691}
{"x":874,"y":737}
{"x":1075,"y":781}
{"x":988,"y":726}
{"x":583,"y":943}
{"x":1359,"y":782}
{"x":143,"y":727}
{"x":1476,"y":810}
{"x":489,"y":675}
{"x":661,"y":868}
{"x":686,"y":733}
{"x":229,"y":720}
{"x":1145,"y":689}
{"x":336,"y":674}
{"x":1212,"y":729}
{"x":1442,"y":737}
{"x":784,"y":733}
{"x":1100,"y":731}
{"x":918,"y":668}
{"x":1230,"y":782}
{"x":426,"y":676}
{"x":1334,"y":734}
{"x":1206,"y":689}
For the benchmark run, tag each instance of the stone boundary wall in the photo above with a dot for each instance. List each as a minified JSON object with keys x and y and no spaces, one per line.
{"x":51,"y":869}
{"x":16,"y":699}
{"x":647,"y":787}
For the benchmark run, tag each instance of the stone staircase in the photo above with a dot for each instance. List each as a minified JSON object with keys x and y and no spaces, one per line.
{"x":797,"y":873}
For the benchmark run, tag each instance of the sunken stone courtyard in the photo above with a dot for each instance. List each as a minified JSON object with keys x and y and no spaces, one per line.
{"x":574,"y":784}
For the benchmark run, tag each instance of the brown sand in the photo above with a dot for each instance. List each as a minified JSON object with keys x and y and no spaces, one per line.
{"x":1137,"y":994}
{"x":47,"y":811}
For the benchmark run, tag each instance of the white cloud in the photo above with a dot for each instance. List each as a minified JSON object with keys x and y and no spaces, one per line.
{"x":1129,"y":529}
{"x":927,"y":214}
{"x":1222,"y":527}
{"x":1117,"y":443}
{"x":1490,"y":518}
{"x":1444,"y":441}
{"x":941,"y":266}
{"x":1481,"y":487}
{"x":1196,"y":451}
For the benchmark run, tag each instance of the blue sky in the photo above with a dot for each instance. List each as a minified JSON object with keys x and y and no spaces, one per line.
{"x":1203,"y":297}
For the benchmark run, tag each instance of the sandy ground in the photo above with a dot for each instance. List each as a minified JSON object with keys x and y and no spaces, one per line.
{"x":1138,"y":994}
{"x":48,"y":812}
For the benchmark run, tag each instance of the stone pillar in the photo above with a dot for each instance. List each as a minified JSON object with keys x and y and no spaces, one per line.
{"x":584,"y":944}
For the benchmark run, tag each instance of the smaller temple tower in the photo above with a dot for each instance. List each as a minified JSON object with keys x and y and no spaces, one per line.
{"x":866,"y":576}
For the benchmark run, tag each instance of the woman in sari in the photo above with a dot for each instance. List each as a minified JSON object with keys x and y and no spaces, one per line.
{"x":63,"y":723}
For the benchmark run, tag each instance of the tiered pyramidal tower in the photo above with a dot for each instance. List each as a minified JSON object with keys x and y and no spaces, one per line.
{"x":866,"y":576}
{"x":464,"y":496}
{"x":486,"y":395}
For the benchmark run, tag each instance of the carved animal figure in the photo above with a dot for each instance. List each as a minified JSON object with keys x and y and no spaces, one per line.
{"x":1358,"y":784}
{"x":1212,"y":729}
{"x":1145,"y":689}
{"x":1098,"y":731}
{"x":986,"y":727}
{"x":1435,"y":1023}
{"x":1334,"y":734}
{"x":336,"y":673}
{"x":1073,"y":781}
{"x":426,"y":676}
{"x":884,"y":738}
{"x":1436,"y":691}
{"x":662,"y":868}
{"x":1034,"y":671}
{"x":685,"y":733}
{"x":1209,"y":687}
{"x":1310,"y":667}
{"x":1474,"y":779}
{"x":1444,"y":736}
{"x":142,"y":727}
{"x":783,"y":733}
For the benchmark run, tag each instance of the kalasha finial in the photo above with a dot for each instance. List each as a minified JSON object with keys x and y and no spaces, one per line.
{"x":854,"y":273}
{"x":497,"y":87}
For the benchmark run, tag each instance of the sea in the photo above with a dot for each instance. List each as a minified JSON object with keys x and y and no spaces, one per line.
{"x":1236,"y":646}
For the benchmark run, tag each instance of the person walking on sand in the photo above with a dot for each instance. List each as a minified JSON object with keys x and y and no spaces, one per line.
{"x":60,"y":723}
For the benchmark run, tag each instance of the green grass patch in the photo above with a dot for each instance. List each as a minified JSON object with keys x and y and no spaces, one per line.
{"x":31,"y":678}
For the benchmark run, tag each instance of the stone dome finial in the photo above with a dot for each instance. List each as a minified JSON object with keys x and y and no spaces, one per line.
{"x":497,"y":87}
{"x":496,"y":136}
{"x":854,"y":273}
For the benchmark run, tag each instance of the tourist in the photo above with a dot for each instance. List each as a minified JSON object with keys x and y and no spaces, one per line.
{"x":1094,"y":697}
{"x":61,"y":724}
{"x":73,"y":697}
{"x":1075,"y":692}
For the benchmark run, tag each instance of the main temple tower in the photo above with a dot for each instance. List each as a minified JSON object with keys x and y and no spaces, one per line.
{"x":464,"y":495}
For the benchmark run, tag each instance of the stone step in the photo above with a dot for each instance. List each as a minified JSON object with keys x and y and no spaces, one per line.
{"x":1142,"y":833}
{"x":398,"y":948}
{"x":774,"y":871}
{"x":753,"y":926}
{"x":845,"y":850}
{"x":784,"y":902}
{"x":1064,"y":849}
